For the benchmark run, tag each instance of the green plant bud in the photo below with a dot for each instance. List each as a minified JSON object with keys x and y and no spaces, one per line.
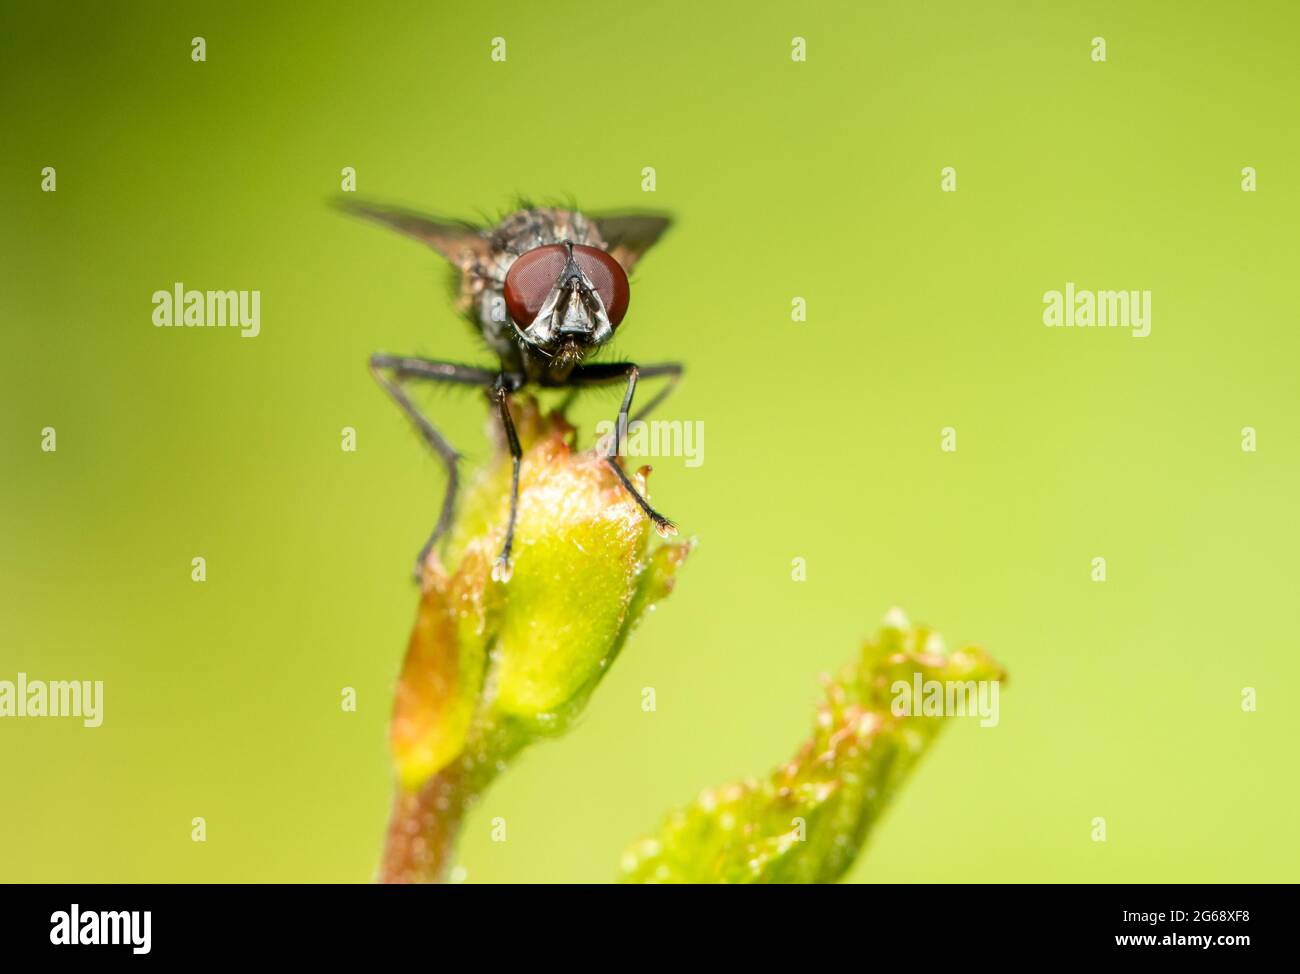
{"x":493,"y":664}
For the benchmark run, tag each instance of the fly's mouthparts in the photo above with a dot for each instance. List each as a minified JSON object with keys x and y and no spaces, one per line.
{"x":576,"y":318}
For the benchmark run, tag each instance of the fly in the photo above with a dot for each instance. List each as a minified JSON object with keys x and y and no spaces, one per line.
{"x":545,"y":288}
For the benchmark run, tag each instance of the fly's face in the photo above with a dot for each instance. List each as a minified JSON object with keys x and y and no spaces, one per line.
{"x":564,"y":299}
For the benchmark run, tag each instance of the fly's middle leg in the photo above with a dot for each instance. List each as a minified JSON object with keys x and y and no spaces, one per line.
{"x":390,"y":371}
{"x":503,"y":567}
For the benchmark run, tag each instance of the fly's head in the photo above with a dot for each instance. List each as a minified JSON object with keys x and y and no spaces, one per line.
{"x":558,"y":275}
{"x":565,"y":299}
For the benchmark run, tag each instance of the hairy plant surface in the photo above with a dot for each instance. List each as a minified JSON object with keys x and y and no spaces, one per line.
{"x":808,"y":820}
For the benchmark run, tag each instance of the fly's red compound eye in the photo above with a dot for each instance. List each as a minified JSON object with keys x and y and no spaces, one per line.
{"x":530,"y":280}
{"x":608,"y":277}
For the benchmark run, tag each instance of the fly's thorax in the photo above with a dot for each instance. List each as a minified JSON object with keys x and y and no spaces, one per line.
{"x":526,"y":230}
{"x":488,"y":311}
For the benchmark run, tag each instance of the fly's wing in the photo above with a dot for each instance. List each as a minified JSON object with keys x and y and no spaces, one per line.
{"x":629,"y":235}
{"x":460,"y":243}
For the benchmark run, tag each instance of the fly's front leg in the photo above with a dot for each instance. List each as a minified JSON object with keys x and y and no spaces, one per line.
{"x":605,"y":373}
{"x":674,"y":372}
{"x":389,"y":371}
{"x":503,"y":568}
{"x":665,"y":527}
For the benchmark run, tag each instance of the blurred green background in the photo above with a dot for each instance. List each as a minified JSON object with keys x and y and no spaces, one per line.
{"x":817,"y":179}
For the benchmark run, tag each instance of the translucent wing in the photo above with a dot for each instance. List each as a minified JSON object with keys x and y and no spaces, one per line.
{"x":460,"y":243}
{"x":629,"y":235}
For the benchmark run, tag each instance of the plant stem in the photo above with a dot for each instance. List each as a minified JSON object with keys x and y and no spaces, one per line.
{"x":422,"y":828}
